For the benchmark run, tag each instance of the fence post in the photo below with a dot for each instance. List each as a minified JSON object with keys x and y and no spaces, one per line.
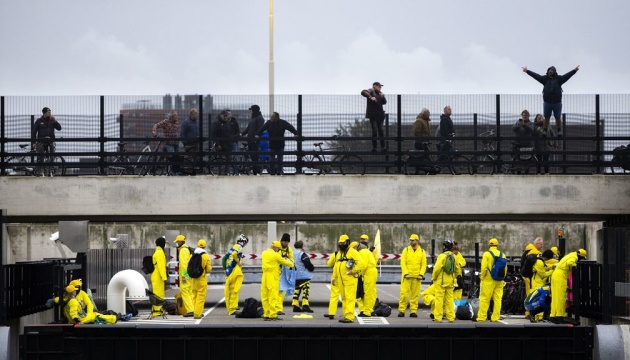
{"x":2,"y":137}
{"x":399,"y":130}
{"x":200,"y":119}
{"x":298,"y":168}
{"x":475,"y":132}
{"x":598,"y":139}
{"x":564,"y":143}
{"x":3,"y":214}
{"x":101,"y":155}
{"x":499,"y":162}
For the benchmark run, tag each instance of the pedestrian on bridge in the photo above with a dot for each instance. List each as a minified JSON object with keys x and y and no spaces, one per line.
{"x":413,"y":264}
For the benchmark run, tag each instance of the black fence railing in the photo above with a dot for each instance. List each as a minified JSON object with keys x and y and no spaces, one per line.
{"x":94,"y":126}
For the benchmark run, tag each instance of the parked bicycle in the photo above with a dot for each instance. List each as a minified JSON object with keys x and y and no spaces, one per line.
{"x":346,"y":163}
{"x":121,"y":164}
{"x":37,"y":164}
{"x":620,"y":163}
{"x":424,"y":162}
{"x":21,"y":164}
{"x":523,"y":159}
{"x":158,"y":159}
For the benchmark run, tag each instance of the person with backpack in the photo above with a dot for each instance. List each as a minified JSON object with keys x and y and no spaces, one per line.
{"x":303,"y":275}
{"x":443,"y":277}
{"x":348,"y":265}
{"x":158,"y":276}
{"x":232,"y":263}
{"x":272,"y":260}
{"x":200,"y":260}
{"x":370,"y":275}
{"x":185,"y":282}
{"x":541,"y":274}
{"x":528,"y":259}
{"x":559,"y":280}
{"x":491,"y":275}
{"x":413,"y":264}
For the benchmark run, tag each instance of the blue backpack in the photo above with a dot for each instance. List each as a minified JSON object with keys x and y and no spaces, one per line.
{"x":498,"y":268}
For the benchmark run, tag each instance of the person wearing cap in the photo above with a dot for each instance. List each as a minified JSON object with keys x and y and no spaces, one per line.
{"x":170,"y":129}
{"x":232,"y":264}
{"x":276,"y":128}
{"x":222,"y":134}
{"x":375,"y":113}
{"x":552,"y":94}
{"x":559,"y":279}
{"x":444,"y":284}
{"x":333,"y":302}
{"x":303,"y":275}
{"x":82,"y":297}
{"x":256,"y":122}
{"x":75,"y":314}
{"x":272,"y":260}
{"x":185,"y":282}
{"x":369,"y":276}
{"x":43,"y":135}
{"x":541,"y":273}
{"x":287,"y":274}
{"x":348,"y":265}
{"x":158,"y":276}
{"x":189,"y":132}
{"x":413,"y":264}
{"x":490,"y":289}
{"x":200,"y":284}
{"x":461,"y":263}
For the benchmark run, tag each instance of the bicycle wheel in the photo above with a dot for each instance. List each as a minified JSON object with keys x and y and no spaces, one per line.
{"x":214,"y":166}
{"x":352,"y":164}
{"x":55,"y":166}
{"x":313,"y":164}
{"x":530,"y":166}
{"x":418,"y":165}
{"x":481,"y":164}
{"x":149,"y":168}
{"x":246,"y":166}
{"x":19,"y":166}
{"x":459,"y":164}
{"x":117,"y":167}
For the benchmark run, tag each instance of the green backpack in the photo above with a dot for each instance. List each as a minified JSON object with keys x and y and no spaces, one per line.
{"x":449,"y":264}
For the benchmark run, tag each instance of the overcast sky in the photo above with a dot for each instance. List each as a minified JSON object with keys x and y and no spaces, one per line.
{"x":87,"y":47}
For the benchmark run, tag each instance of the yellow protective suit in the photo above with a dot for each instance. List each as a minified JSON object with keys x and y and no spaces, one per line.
{"x":270,"y":284}
{"x":347,"y":283}
{"x":531,"y":250}
{"x":428,"y":298}
{"x":413,"y":263}
{"x":234,"y":281}
{"x":185,"y":282}
{"x":200,"y":284}
{"x":461,"y":263}
{"x":158,"y":277}
{"x":559,"y":279}
{"x":75,"y":314}
{"x":84,"y":300}
{"x":334,"y":288}
{"x":490,"y":288}
{"x":542,"y":272}
{"x":370,"y":275}
{"x":444,"y":283}
{"x":286,"y":252}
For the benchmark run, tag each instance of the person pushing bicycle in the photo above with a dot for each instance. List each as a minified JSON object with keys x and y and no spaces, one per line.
{"x":43,"y":134}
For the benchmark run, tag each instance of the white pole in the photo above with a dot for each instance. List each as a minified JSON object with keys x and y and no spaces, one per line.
{"x":271,"y":64}
{"x":272,"y":232}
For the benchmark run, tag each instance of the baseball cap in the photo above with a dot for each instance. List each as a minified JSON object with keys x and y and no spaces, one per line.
{"x":376,"y":83}
{"x":276,"y":243}
{"x":45,"y":110}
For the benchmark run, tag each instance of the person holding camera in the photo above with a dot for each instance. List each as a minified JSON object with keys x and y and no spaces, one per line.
{"x":43,"y":134}
{"x":374,"y":111}
{"x":523,"y":129}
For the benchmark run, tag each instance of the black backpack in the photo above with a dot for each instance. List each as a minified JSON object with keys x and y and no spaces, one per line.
{"x":250,"y":309}
{"x":195,"y":269}
{"x":527,"y":267}
{"x":381,"y":309}
{"x":147,"y":264}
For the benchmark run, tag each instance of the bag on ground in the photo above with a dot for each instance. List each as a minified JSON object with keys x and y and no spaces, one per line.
{"x":381,"y":309}
{"x":250,"y":309}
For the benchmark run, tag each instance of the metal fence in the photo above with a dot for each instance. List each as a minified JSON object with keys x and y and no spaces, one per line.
{"x":92,"y":126}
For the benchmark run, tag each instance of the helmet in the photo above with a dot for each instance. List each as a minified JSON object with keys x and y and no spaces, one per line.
{"x":582,"y":253}
{"x":493,"y":242}
{"x":554,"y":250}
{"x":414,"y":237}
{"x":76,"y":283}
{"x":180,"y":238}
{"x":343,"y":238}
{"x":365,"y":237}
{"x":242,"y":239}
{"x":448,"y":244}
{"x":70,"y":288}
{"x":201,"y":243}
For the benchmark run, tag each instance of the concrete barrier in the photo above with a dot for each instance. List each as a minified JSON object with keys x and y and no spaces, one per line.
{"x":612,"y":342}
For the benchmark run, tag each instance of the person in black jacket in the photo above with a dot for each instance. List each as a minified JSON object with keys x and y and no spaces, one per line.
{"x":222,"y":134}
{"x":552,"y":94}
{"x":447,"y":133}
{"x":256,"y":122}
{"x":276,"y":128}
{"x":374,"y":111}
{"x":43,"y":134}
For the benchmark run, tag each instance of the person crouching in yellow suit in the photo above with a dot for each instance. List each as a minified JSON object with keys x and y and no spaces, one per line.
{"x":158,"y":276}
{"x":75,"y":314}
{"x":200,"y":284}
{"x":348,"y":265}
{"x":428,"y":298}
{"x":270,"y":284}
{"x":559,"y":279}
{"x":185,"y":282}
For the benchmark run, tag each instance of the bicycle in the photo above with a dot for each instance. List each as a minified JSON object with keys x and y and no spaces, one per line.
{"x":244,"y":160}
{"x":157,"y":158}
{"x":52,"y":164}
{"x":347,"y":163}
{"x":21,"y":164}
{"x":523,"y":159}
{"x":424,"y":163}
{"x":620,"y":162}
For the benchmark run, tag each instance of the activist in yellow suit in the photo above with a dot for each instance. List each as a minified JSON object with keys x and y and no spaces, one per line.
{"x":444,"y":281}
{"x":234,"y":274}
{"x":158,"y":276}
{"x":413,"y":264}
{"x":348,"y":265}
{"x":185,"y":282}
{"x":200,"y":284}
{"x":559,"y":280}
{"x":270,"y":284}
{"x":490,"y":288}
{"x":461,"y":263}
{"x":370,"y":275}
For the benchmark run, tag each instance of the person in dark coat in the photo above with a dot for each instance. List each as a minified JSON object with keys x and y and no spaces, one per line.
{"x":447,"y":133}
{"x":222,"y":133}
{"x":255,"y":123}
{"x":374,"y":111}
{"x":43,"y":135}
{"x":276,"y":128}
{"x":552,"y":94}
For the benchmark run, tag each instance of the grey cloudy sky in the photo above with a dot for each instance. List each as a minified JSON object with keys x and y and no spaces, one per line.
{"x":76,"y":47}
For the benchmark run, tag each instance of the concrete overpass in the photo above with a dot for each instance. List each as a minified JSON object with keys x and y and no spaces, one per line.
{"x":317,"y":198}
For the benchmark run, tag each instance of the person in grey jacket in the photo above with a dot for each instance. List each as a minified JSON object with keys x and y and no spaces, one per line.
{"x":256,"y":122}
{"x":523,"y":129}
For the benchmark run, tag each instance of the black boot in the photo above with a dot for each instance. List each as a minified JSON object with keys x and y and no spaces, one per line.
{"x":307,"y":309}
{"x":296,"y":308}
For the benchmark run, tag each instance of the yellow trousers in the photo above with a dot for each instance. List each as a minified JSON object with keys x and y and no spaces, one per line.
{"x":366,"y":304}
{"x":409,"y":292}
{"x":444,"y":304}
{"x":334,"y":298}
{"x":185,"y":289}
{"x":199,"y":289}
{"x":269,"y":288}
{"x":348,"y":291}
{"x":559,"y":283}
{"x":232,"y":288}
{"x":158,"y":289}
{"x":490,"y":289}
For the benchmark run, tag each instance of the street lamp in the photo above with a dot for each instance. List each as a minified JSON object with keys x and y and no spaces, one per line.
{"x":271,"y":65}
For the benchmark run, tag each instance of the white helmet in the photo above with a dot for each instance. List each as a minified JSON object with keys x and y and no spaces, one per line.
{"x":242,"y":240}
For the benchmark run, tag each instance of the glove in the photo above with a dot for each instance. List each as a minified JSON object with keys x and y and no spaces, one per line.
{"x":50,"y":303}
{"x":372,"y":248}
